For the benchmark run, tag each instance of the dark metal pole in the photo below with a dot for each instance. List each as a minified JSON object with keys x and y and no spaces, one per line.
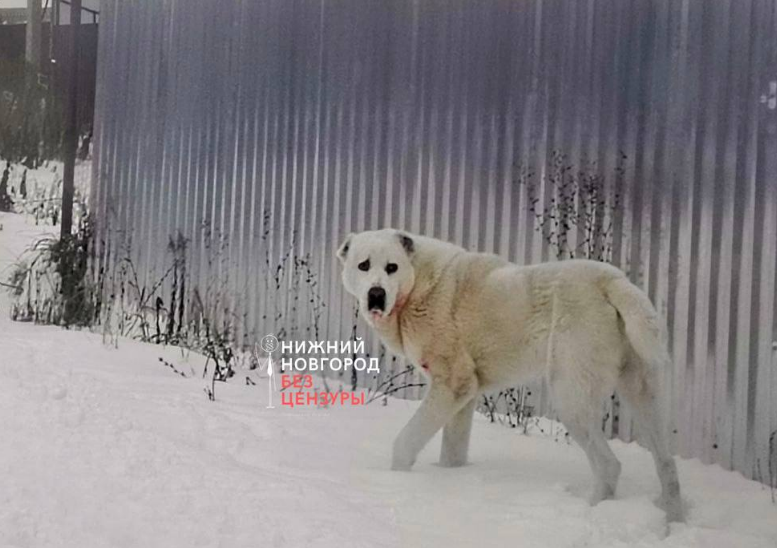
{"x":53,"y":23}
{"x":71,"y":130}
{"x":33,"y":41}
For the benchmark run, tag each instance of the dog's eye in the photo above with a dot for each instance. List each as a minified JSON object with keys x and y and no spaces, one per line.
{"x":391,"y":268}
{"x":364,"y":266}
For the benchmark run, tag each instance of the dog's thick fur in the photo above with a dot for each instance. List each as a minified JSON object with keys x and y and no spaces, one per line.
{"x":476,"y":323}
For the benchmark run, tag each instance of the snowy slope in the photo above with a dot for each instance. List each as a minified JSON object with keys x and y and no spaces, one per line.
{"x":106,"y":447}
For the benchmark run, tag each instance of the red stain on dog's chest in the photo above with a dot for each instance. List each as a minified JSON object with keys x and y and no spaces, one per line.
{"x":425,"y":365}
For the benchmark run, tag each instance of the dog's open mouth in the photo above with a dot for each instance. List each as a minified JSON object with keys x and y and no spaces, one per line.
{"x":377,"y":315}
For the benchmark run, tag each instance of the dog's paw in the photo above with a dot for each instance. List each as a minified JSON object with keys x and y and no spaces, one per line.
{"x":601,"y":492}
{"x":400,"y":466}
{"x":447,"y":461}
{"x":674,"y":508}
{"x":400,"y":460}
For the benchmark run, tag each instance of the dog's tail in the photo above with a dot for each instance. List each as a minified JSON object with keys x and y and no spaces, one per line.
{"x":644,"y":328}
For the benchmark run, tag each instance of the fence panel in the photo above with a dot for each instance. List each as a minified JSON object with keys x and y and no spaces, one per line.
{"x":263,"y":132}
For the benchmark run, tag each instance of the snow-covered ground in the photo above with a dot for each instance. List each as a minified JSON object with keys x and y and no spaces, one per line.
{"x":104,"y":447}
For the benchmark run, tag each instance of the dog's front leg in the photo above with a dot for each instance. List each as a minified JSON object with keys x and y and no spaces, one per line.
{"x":446,"y":397}
{"x":455,"y":436}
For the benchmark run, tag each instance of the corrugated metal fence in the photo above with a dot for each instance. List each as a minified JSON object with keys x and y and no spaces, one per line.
{"x":284,"y":124}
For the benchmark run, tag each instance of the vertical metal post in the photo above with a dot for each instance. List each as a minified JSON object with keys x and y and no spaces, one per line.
{"x":53,"y":24}
{"x":33,"y":36}
{"x":71,"y":130}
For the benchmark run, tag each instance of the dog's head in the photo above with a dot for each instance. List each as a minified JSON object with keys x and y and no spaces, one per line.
{"x":378,"y":270}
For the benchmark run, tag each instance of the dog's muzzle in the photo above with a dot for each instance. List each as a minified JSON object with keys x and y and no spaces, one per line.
{"x":376,"y":299}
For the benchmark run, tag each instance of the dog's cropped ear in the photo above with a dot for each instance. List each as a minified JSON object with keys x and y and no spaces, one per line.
{"x":407,"y":243}
{"x":342,"y":251}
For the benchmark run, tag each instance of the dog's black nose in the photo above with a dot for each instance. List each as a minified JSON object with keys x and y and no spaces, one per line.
{"x":376,"y":298}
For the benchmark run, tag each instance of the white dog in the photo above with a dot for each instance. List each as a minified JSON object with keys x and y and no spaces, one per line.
{"x":476,"y":323}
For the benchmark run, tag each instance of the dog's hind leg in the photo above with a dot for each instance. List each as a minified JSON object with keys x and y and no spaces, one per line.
{"x":455,"y":436}
{"x":604,"y":463}
{"x":578,"y":405}
{"x":639,"y":387}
